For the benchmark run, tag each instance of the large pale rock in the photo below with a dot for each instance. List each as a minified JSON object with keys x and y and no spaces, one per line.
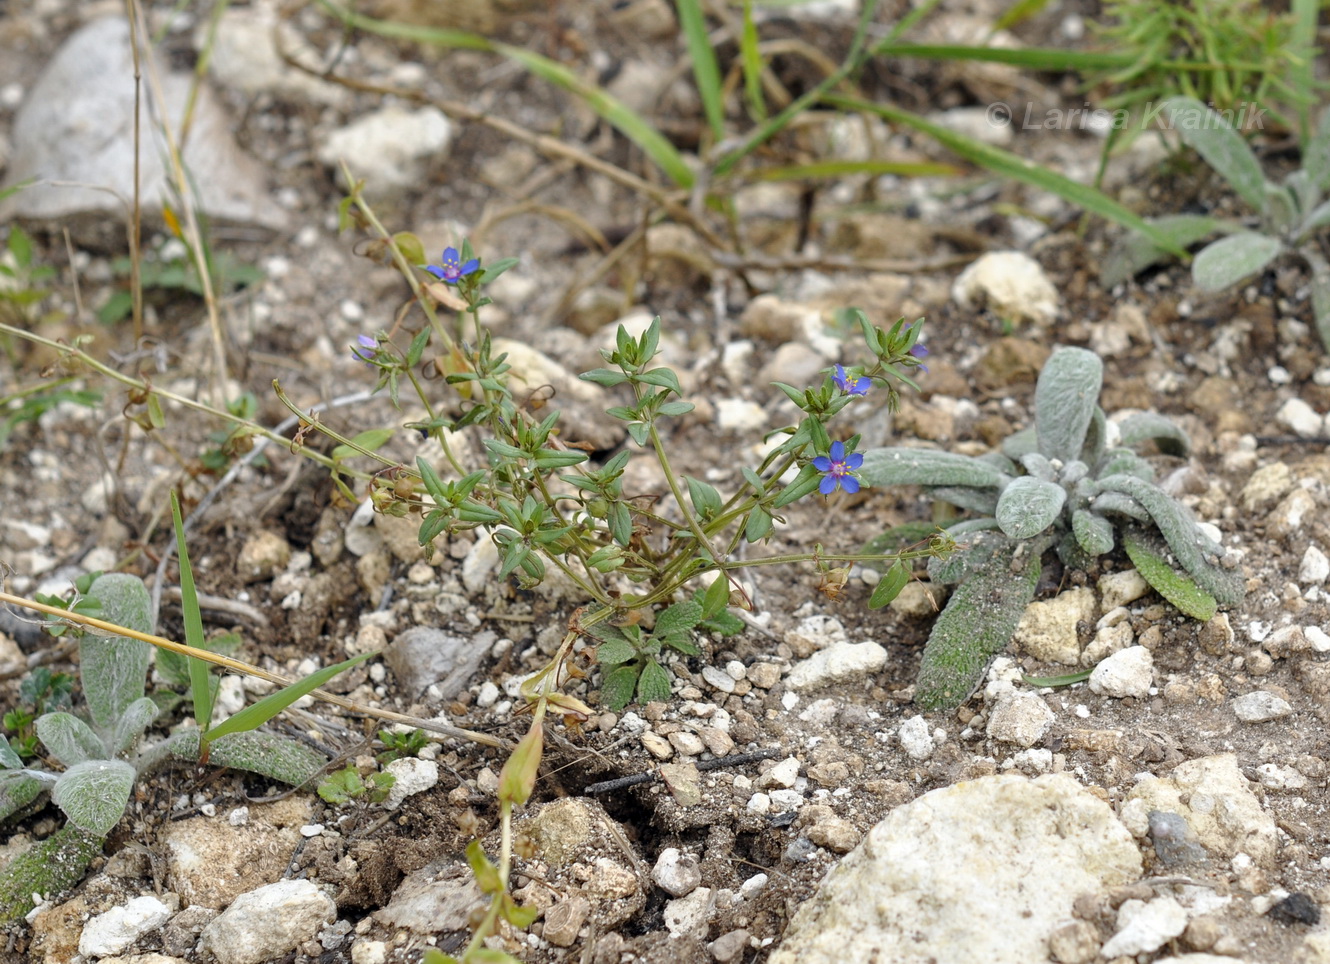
{"x":1047,"y":629}
{"x":77,"y":126}
{"x":918,"y":891}
{"x":424,"y":656}
{"x":210,"y":861}
{"x":267,"y":923}
{"x":838,"y":664}
{"x":118,"y":928}
{"x":1011,"y":285}
{"x":391,"y":148}
{"x":1215,"y":799}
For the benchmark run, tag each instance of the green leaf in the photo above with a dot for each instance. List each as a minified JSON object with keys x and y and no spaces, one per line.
{"x":1028,"y":506}
{"x":486,"y":874}
{"x":978,"y":622}
{"x":890,"y":585}
{"x":255,"y":715}
{"x":679,"y":618}
{"x":114,"y":669}
{"x":653,"y":686}
{"x":1065,"y":398}
{"x":1233,"y":259}
{"x":51,"y":866}
{"x":200,"y":687}
{"x":902,"y":466}
{"x":716,"y":598}
{"x":705,"y":69}
{"x":681,"y":642}
{"x":371,"y":441}
{"x":758,"y":525}
{"x":706,"y":500}
{"x":616,"y":691}
{"x":615,"y":651}
{"x":1052,"y":682}
{"x":1316,"y":155}
{"x":94,"y":794}
{"x":9,"y":760}
{"x":604,"y":376}
{"x":519,"y":916}
{"x":1177,"y":587}
{"x":977,"y":553}
{"x":1223,"y":148}
{"x":17,"y":790}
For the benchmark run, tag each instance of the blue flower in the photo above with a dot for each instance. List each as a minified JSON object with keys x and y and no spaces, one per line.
{"x":367,"y":343}
{"x":920,"y":351}
{"x":850,"y":383}
{"x":838,"y":469}
{"x":451,"y":270}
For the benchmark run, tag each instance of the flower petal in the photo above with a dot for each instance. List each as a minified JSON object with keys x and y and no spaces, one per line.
{"x":470,"y":266}
{"x":450,"y":254}
{"x":837,"y":451}
{"x":822,"y":463}
{"x":828,"y":485}
{"x":850,"y":484}
{"x":854,"y":461}
{"x":435,"y":270}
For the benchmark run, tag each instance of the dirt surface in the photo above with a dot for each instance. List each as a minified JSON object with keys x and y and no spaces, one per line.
{"x":1222,"y":366}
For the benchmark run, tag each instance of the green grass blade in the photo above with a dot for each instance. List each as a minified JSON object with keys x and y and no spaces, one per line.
{"x":199,"y":682}
{"x":1029,"y":58}
{"x":256,"y":714}
{"x":823,"y":169}
{"x":705,"y":69}
{"x":614,"y":111}
{"x":778,"y":123}
{"x":1302,"y":75}
{"x":750,"y":57}
{"x":1011,"y":165}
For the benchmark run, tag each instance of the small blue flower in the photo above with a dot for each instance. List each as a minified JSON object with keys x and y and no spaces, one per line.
{"x":367,"y":343}
{"x":920,"y":351}
{"x":451,"y":270}
{"x":838,"y":469}
{"x":850,"y":383}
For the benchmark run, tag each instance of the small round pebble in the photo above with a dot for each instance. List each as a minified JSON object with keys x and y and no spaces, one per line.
{"x":1260,"y":706}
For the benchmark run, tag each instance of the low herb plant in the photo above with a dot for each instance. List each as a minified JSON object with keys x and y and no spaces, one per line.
{"x":1291,"y":216}
{"x":99,"y":748}
{"x":1058,"y":485}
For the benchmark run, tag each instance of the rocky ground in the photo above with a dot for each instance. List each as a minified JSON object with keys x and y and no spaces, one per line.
{"x":1172,"y":808}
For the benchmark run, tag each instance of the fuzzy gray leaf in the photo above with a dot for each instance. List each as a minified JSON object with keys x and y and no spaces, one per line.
{"x":1093,"y":532}
{"x":1281,"y":207}
{"x":94,"y":794}
{"x":900,"y":466}
{"x":114,"y":668}
{"x":1321,"y":299}
{"x":1095,"y":438}
{"x":1150,"y":426}
{"x":1065,"y":399}
{"x":1125,"y":462}
{"x":1316,"y":158}
{"x":129,"y":728}
{"x":1028,"y":506}
{"x":1135,"y":252}
{"x":1233,"y":259}
{"x":976,"y":555}
{"x":1318,"y":218}
{"x":975,"y":500}
{"x":51,"y":866}
{"x":17,"y":790}
{"x":1222,"y":147}
{"x":1192,"y":547}
{"x":1115,"y":503}
{"x":1038,"y":466}
{"x":69,"y":739}
{"x":977,"y":623}
{"x":269,"y":755}
{"x":1020,"y":443}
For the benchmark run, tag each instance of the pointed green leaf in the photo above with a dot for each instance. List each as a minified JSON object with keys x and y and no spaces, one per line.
{"x":615,"y":651}
{"x":200,"y":687}
{"x":616,"y":691}
{"x":654,"y":683}
{"x":890,"y":585}
{"x":679,"y":618}
{"x":255,"y":715}
{"x":1177,"y":587}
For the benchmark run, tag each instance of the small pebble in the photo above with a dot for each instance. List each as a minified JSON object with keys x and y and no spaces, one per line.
{"x":1261,"y":706}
